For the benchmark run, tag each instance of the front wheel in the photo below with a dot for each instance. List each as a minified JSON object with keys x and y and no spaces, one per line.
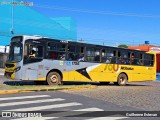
{"x":121,"y":80}
{"x":54,"y":78}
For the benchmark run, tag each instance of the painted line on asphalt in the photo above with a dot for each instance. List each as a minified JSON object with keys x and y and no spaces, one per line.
{"x":30,"y":102}
{"x":76,"y":112}
{"x":90,"y":109}
{"x":46,"y":107}
{"x":24,"y":97}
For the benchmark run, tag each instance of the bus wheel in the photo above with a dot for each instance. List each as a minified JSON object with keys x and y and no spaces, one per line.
{"x":54,"y":78}
{"x":122,"y":80}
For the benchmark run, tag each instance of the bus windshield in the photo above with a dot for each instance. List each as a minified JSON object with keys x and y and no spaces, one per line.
{"x":15,"y":53}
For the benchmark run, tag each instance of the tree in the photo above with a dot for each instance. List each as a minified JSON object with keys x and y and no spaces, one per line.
{"x":122,"y":46}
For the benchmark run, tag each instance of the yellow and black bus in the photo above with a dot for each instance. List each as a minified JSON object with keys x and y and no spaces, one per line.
{"x":54,"y":61}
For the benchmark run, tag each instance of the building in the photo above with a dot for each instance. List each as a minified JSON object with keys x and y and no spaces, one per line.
{"x":19,"y":19}
{"x":148,"y":47}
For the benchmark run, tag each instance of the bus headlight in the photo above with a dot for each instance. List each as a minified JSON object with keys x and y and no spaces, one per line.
{"x":17,"y":69}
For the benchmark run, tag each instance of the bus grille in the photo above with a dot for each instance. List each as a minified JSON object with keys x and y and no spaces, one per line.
{"x":9,"y":65}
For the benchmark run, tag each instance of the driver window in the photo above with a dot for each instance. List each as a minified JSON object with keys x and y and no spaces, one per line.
{"x":33,"y":53}
{"x":36,"y":51}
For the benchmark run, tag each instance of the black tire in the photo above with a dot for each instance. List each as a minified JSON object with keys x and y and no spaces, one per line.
{"x":54,"y":78}
{"x":121,"y":80}
{"x":104,"y":83}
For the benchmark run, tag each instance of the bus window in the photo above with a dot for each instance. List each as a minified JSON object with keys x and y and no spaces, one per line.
{"x":71,"y":48}
{"x":141,"y":59}
{"x":81,"y":57}
{"x":80,"y":53}
{"x":82,"y":49}
{"x":72,"y":56}
{"x":36,"y":51}
{"x":61,"y":47}
{"x":90,"y":54}
{"x":72,"y":53}
{"x":120,"y":57}
{"x":109,"y":56}
{"x":148,"y":60}
{"x":103,"y":54}
{"x":52,"y":46}
{"x":137,"y":58}
{"x":125,"y":57}
{"x":52,"y":55}
{"x":34,"y":54}
{"x":97,"y":55}
{"x":61,"y":56}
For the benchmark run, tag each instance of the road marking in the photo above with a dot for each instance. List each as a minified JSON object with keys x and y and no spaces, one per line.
{"x":23,"y":97}
{"x":90,"y":109}
{"x":108,"y":118}
{"x":30,"y":102}
{"x":46,"y":107}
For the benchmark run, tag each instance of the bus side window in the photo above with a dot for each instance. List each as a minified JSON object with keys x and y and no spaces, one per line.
{"x":61,"y":47}
{"x":80,"y":50}
{"x":126,"y":57}
{"x":90,"y":54}
{"x":119,"y":58}
{"x":81,"y":57}
{"x":52,"y":46}
{"x":148,"y":59}
{"x":61,"y":56}
{"x":72,"y":53}
{"x":52,"y":55}
{"x":97,"y":55}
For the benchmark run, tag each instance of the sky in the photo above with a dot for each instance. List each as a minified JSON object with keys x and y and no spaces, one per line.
{"x":109,"y":22}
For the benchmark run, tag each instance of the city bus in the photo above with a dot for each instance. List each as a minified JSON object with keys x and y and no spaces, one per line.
{"x":42,"y":59}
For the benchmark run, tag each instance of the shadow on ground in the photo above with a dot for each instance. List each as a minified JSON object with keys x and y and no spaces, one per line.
{"x":21,"y":83}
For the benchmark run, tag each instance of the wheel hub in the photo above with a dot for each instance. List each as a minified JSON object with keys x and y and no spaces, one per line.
{"x":54,"y":78}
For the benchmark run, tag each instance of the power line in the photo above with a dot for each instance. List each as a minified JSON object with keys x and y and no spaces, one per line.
{"x":97,"y":12}
{"x":106,"y":42}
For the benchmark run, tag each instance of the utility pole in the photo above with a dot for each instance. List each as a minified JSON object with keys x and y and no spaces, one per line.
{"x":81,"y":40}
{"x":12,"y":28}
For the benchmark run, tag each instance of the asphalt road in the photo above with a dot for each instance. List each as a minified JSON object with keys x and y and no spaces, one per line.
{"x":56,"y":105}
{"x":144,"y":96}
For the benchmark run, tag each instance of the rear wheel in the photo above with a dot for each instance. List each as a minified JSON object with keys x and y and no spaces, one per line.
{"x":121,"y":80}
{"x":54,"y":78}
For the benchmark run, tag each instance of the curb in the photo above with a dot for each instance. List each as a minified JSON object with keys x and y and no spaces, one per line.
{"x":2,"y":92}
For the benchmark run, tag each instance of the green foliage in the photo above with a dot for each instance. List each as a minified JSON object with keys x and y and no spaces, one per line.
{"x":122,"y":46}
